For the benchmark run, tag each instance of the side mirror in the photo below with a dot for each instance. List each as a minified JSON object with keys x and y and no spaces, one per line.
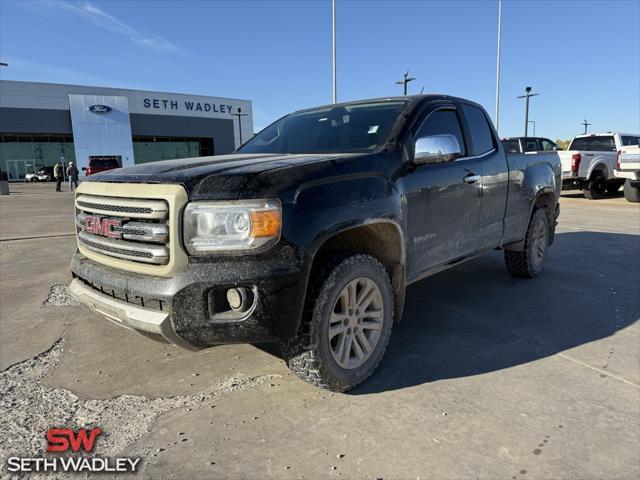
{"x":557,"y":148}
{"x":436,"y":149}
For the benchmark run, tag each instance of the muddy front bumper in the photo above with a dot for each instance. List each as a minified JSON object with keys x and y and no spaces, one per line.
{"x":189,"y":310}
{"x":140,"y":319}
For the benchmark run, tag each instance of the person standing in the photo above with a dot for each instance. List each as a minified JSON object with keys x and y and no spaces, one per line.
{"x":57,"y":174}
{"x":72,"y":173}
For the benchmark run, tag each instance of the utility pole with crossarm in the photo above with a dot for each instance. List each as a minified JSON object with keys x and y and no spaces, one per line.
{"x":405,"y":81}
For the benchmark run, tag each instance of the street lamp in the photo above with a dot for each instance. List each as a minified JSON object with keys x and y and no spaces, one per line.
{"x":240,"y":115}
{"x":405,"y":81}
{"x":333,"y":31}
{"x":498,"y":65}
{"x":585,"y":124}
{"x":527,"y":95}
{"x":534,"y":127}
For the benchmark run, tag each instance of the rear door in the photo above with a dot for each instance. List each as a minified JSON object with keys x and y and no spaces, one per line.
{"x":443,"y":199}
{"x":484,"y":146}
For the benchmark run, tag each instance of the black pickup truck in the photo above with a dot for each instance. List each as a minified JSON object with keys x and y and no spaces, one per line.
{"x":309,"y":234}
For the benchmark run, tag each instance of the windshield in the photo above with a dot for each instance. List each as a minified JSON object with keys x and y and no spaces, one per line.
{"x":594,"y":143}
{"x":103,"y":163}
{"x":345,"y":128}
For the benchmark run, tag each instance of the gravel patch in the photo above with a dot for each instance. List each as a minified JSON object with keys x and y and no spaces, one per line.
{"x":28,"y":409}
{"x":60,"y":296}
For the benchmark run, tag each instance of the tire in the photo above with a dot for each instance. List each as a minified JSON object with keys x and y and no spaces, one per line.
{"x":595,"y":188}
{"x":528,"y":263}
{"x":631,"y":193}
{"x":613,"y":187}
{"x":339,"y":360}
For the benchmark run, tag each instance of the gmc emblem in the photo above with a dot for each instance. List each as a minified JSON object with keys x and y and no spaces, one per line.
{"x":102,"y":226}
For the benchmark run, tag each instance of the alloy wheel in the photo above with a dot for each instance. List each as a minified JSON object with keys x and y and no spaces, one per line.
{"x":539,"y":242}
{"x":355,"y":323}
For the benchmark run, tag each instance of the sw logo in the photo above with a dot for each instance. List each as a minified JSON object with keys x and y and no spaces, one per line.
{"x":82,"y":440}
{"x":63,"y":439}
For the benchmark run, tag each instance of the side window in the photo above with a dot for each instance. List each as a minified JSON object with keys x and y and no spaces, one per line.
{"x":531,"y":145}
{"x":511,"y":146}
{"x":481,"y":137}
{"x":439,"y":122}
{"x":628,"y":140}
{"x":547,"y":145}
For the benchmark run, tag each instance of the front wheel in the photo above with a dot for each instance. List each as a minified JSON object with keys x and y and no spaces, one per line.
{"x":528,"y":263}
{"x":348,"y":325}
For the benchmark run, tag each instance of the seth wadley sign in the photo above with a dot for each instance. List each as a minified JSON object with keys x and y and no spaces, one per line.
{"x":164,"y":104}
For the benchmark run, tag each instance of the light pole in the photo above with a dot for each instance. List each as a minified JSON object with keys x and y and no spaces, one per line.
{"x":498,"y":66}
{"x":333,"y":25}
{"x":240,"y":115}
{"x":527,"y":96}
{"x":585,"y":124}
{"x":534,"y":127}
{"x":405,"y":81}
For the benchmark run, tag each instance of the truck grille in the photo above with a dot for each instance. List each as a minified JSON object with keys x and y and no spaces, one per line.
{"x":132,"y":229}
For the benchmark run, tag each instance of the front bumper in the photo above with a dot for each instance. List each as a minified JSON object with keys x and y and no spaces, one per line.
{"x":183,"y":309}
{"x":140,"y":319}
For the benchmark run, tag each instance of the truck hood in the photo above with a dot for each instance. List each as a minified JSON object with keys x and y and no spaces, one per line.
{"x":219,"y":177}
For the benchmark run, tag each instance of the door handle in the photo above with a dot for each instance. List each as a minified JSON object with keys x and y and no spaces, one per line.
{"x":471,"y":178}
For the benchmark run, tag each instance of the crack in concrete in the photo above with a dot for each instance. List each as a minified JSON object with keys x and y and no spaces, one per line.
{"x":28,"y":408}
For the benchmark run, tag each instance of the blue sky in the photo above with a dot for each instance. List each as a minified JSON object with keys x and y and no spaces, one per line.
{"x":583,"y":57}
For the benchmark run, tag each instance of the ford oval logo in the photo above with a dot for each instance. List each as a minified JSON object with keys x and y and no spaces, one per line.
{"x":100,"y":108}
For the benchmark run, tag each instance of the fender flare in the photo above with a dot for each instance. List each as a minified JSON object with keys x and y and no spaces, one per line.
{"x":598,"y":165}
{"x":398,"y":271}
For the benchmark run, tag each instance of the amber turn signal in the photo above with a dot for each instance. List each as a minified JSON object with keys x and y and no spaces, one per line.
{"x":265,"y":223}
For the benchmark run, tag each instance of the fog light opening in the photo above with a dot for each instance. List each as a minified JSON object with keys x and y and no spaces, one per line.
{"x":239,"y":299}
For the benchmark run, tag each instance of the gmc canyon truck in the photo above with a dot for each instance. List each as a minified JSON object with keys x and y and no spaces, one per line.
{"x":309,"y":233}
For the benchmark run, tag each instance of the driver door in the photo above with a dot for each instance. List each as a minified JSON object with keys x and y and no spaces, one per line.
{"x":443,"y":199}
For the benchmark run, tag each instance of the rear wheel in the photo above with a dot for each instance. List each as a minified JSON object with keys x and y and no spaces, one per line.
{"x":596,"y":187}
{"x":631,"y":193}
{"x":528,"y":263}
{"x":348,"y":325}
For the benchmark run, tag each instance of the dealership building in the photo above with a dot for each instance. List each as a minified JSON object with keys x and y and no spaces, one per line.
{"x":45,"y":123}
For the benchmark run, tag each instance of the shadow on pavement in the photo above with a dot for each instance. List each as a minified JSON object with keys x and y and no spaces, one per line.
{"x":476,"y":318}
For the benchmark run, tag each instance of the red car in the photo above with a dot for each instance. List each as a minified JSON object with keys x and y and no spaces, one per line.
{"x":99,"y":165}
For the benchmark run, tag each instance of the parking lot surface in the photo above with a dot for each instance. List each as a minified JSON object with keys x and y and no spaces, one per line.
{"x":485,"y":377}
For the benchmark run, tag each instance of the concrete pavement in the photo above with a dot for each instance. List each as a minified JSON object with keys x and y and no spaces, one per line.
{"x":486,"y":376}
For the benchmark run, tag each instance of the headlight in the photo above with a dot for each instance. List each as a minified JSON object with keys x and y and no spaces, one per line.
{"x":231,"y":225}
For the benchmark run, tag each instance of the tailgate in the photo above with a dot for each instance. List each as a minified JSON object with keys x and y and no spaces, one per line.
{"x":630,"y":157}
{"x":565,"y":159}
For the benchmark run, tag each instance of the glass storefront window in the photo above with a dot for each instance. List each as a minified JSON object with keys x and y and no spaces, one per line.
{"x":21,"y":154}
{"x":151,"y":149}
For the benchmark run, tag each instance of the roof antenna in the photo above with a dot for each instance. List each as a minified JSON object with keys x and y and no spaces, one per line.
{"x":422,"y":90}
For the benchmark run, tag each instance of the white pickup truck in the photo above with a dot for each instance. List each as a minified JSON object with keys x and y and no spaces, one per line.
{"x":589,"y":162}
{"x":628,"y":169}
